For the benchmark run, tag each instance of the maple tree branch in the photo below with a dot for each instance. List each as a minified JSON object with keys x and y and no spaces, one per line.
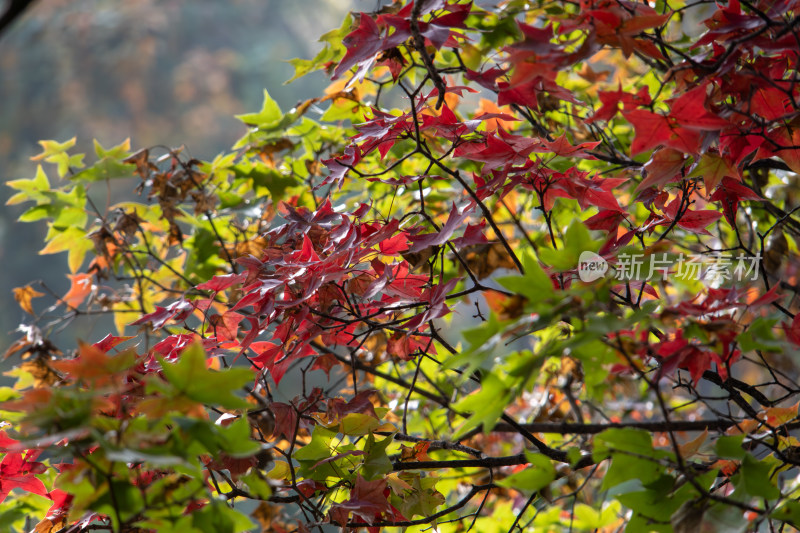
{"x":358,"y":365}
{"x":616,"y":160}
{"x":518,"y":223}
{"x":14,"y":9}
{"x":488,"y":214}
{"x":731,"y":386}
{"x":541,"y":130}
{"x":683,"y":207}
{"x":557,"y":455}
{"x":434,"y":444}
{"x":457,"y":175}
{"x":744,"y":387}
{"x":565,"y":428}
{"x":689,"y":475}
{"x":770,"y":206}
{"x":487,"y":462}
{"x":228,"y":257}
{"x":419,"y":45}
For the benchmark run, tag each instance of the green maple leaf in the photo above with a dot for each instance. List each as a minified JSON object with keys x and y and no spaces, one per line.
{"x":190,"y":377}
{"x":269,"y":115}
{"x":423,"y":498}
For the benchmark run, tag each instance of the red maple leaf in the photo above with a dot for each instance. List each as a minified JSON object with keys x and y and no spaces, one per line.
{"x":679,"y":353}
{"x":436,"y":31}
{"x":219,"y":283}
{"x":394,"y":245}
{"x":770,"y":103}
{"x":689,"y":111}
{"x":527,"y":93}
{"x":486,"y":78}
{"x":339,"y":165}
{"x":110,"y":341}
{"x":495,"y":152}
{"x":730,"y":192}
{"x":473,"y":234}
{"x":226,"y":326}
{"x":285,"y":420}
{"x":179,"y":310}
{"x":782,"y":142}
{"x":19,"y":472}
{"x":587,"y":191}
{"x":363,"y":45}
{"x":772,"y":295}
{"x":367,"y":501}
{"x":606,"y":220}
{"x":694,"y":221}
{"x":360,"y":403}
{"x":792,"y":330}
{"x":562,"y":147}
{"x":664,"y":165}
{"x":611,"y":100}
{"x":454,"y":221}
{"x":653,"y":129}
{"x":403,"y":345}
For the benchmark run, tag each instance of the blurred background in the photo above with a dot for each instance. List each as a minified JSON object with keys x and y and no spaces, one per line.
{"x":169,"y":72}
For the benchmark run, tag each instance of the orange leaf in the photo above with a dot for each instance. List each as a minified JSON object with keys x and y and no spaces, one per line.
{"x":777,"y":416}
{"x":745,"y":426}
{"x":486,"y":106}
{"x":24,"y":295}
{"x":727,"y":467}
{"x":91,"y":363}
{"x":31,"y":400}
{"x":79,"y":290}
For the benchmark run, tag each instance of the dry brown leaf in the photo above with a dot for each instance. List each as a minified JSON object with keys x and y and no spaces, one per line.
{"x":264,"y":514}
{"x":43,"y":375}
{"x":48,"y":525}
{"x":142,"y":161}
{"x":688,"y":449}
{"x":17,"y":346}
{"x":483,"y":259}
{"x":254,"y":247}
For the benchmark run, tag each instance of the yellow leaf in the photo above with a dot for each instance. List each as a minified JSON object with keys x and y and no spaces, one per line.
{"x":397,"y":484}
{"x":50,"y":148}
{"x":357,"y":424}
{"x":279,"y":471}
{"x":24,"y":295}
{"x":77,"y":253}
{"x":119,"y":151}
{"x":123,"y":317}
{"x":65,"y":240}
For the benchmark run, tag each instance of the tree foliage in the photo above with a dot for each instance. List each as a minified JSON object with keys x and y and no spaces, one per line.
{"x":542,"y":259}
